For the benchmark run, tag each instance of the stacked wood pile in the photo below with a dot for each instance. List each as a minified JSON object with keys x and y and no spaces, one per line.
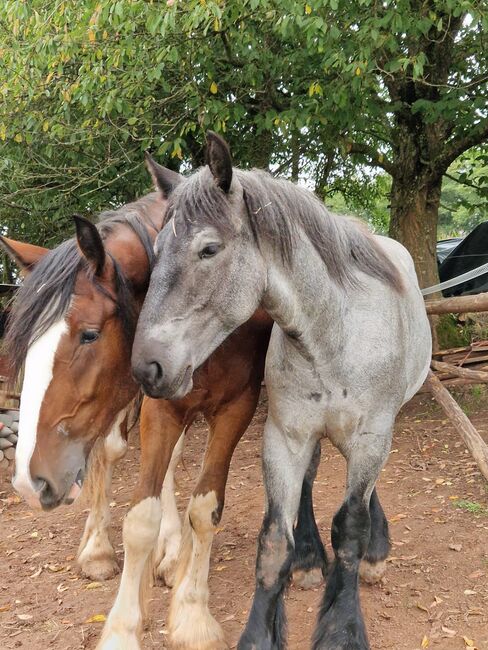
{"x":9,"y":427}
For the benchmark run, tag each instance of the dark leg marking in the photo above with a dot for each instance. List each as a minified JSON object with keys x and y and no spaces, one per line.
{"x":340,"y":624}
{"x":266,"y":626}
{"x":309,"y":564}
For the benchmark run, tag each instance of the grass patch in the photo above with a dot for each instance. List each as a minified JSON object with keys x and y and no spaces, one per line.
{"x":472,"y":506}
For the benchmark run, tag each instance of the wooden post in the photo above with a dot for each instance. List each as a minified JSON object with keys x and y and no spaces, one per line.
{"x":474,"y":442}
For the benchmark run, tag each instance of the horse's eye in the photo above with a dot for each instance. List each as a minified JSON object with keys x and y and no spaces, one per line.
{"x":209,"y":251}
{"x":89,"y":336}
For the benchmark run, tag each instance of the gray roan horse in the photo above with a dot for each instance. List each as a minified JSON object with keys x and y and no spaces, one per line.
{"x":351,"y":344}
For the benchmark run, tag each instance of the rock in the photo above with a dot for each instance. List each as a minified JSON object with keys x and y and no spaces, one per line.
{"x":5,"y":443}
{"x":15,"y":427}
{"x":1,"y":455}
{"x":13,"y":437}
{"x":4,"y":464}
{"x":5,"y":432}
{"x":9,"y":453}
{"x":7,"y":418}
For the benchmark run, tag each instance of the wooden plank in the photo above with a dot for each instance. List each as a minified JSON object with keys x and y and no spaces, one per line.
{"x":459,"y":371}
{"x":458,"y":304}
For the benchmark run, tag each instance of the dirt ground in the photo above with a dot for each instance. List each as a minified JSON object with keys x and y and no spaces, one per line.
{"x":435,"y":593}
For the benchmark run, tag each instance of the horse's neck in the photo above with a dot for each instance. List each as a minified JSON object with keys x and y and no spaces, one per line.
{"x":302,"y":299}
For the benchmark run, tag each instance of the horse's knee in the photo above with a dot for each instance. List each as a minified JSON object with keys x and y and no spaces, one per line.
{"x":275,"y":553}
{"x":350,"y":532}
{"x":141,"y":525}
{"x":204,"y":512}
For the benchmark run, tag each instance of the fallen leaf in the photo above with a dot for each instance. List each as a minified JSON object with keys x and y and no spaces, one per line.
{"x":96,"y":618}
{"x":398,"y":517}
{"x":469,"y":592}
{"x":425,"y":642}
{"x":448,"y":631}
{"x":93,"y":585}
{"x":24,"y":617}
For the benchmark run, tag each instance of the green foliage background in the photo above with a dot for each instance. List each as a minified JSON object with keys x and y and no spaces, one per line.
{"x":313,"y":90}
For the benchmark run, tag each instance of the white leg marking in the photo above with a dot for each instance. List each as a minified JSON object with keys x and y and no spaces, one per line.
{"x":123,"y":627}
{"x":37,"y":377}
{"x":96,"y":556}
{"x":190,"y":623}
{"x":372,"y":572}
{"x":169,"y":539}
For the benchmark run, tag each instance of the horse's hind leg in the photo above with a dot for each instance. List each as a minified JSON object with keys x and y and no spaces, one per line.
{"x":96,"y":556}
{"x":191,"y":625}
{"x":340,"y":622}
{"x":169,"y":539}
{"x":309,"y":565}
{"x":373,"y":564}
{"x":161,"y":427}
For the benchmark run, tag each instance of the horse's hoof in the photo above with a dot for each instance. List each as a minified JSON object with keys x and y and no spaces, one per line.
{"x":101,"y":569}
{"x":372,"y":572}
{"x":112,"y":640}
{"x":192,"y":627}
{"x":166,"y":570}
{"x":310,"y":579}
{"x":210,"y":645}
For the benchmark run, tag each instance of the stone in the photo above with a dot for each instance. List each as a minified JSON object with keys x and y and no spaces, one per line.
{"x":9,"y":453}
{"x":5,"y":443}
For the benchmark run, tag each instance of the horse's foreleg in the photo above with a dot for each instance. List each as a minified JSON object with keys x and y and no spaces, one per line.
{"x":340,"y":622}
{"x":161,"y":427}
{"x":191,"y":625}
{"x":285,"y":462}
{"x":169,"y":539}
{"x":96,"y":556}
{"x":310,"y":559}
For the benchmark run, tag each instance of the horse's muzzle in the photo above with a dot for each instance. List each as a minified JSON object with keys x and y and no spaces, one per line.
{"x":161,"y":375}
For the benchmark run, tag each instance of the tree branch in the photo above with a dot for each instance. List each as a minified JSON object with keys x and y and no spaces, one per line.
{"x":458,"y":146}
{"x":373,"y":157}
{"x":465,"y":182}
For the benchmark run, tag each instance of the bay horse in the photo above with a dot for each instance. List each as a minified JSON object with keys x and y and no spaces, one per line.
{"x":351,"y":343}
{"x":72,"y":324}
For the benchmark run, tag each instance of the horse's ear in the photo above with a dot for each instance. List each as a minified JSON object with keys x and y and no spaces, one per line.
{"x":165,"y":180}
{"x":219,"y":160}
{"x":24,"y":255}
{"x":90,"y":243}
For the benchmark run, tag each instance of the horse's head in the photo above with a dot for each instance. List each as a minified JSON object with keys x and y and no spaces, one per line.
{"x":208,"y":279}
{"x":72,"y":325}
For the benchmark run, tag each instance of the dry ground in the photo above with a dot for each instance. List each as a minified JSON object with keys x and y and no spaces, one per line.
{"x":435,"y":593}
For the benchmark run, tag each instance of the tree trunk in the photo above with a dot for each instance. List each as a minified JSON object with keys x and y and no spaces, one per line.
{"x":414,"y":216}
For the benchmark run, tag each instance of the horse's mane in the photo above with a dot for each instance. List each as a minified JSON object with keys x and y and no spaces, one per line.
{"x":278,"y":210}
{"x":45,"y":295}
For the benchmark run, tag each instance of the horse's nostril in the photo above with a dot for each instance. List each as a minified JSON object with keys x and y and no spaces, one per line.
{"x":156,"y":371}
{"x":47,"y":494}
{"x":39,"y":483}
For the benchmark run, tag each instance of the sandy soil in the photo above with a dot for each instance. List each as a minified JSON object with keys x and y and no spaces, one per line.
{"x":435,"y":593}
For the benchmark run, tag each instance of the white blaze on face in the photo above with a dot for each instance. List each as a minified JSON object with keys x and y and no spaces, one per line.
{"x":37,"y":377}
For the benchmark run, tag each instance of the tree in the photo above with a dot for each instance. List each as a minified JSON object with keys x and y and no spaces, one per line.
{"x":316,"y":89}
